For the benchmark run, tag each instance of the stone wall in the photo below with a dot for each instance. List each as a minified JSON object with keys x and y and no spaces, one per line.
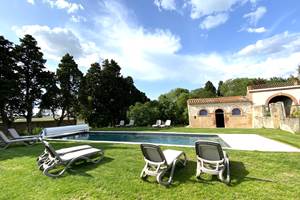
{"x":231,"y":121}
{"x":277,"y":118}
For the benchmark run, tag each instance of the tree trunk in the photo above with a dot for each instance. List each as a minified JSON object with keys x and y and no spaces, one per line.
{"x":61,"y":119}
{"x":29,"y":122}
{"x":5,"y":120}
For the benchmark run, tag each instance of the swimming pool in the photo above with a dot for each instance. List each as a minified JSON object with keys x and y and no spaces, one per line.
{"x":177,"y":139}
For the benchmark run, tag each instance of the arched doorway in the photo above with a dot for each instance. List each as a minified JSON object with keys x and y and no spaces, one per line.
{"x":287,"y":102}
{"x":219,"y":115}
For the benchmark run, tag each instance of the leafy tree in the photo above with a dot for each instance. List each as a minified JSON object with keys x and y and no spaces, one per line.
{"x":144,"y":113}
{"x":173,"y":105}
{"x":51,"y":99}
{"x":208,"y":91}
{"x":69,"y":77}
{"x":219,"y":93}
{"x":9,"y":90}
{"x":32,"y":76}
{"x":235,"y":87}
{"x":105,"y":95}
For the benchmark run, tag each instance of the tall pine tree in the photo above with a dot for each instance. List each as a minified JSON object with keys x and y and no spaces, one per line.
{"x":32,"y":76}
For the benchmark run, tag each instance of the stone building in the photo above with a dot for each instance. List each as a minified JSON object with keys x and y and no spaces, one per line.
{"x":269,"y":106}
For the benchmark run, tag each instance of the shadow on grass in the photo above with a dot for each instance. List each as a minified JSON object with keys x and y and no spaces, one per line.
{"x":83,"y":168}
{"x":238,"y":172}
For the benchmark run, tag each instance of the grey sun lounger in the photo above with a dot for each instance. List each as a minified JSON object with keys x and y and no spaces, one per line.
{"x":5,"y":142}
{"x":44,"y":157}
{"x":16,"y":135}
{"x":211,"y":159}
{"x":158,"y":162}
{"x":57,"y":164}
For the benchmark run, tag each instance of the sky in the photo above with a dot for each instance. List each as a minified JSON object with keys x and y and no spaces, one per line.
{"x":164,"y":44}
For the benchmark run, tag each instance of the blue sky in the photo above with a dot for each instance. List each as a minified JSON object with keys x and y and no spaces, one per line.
{"x":164,"y":44}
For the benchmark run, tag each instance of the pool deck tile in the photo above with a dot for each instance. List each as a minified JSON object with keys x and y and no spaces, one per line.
{"x":255,"y":142}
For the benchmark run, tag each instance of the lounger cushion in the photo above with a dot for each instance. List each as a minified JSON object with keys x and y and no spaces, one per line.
{"x":71,"y":149}
{"x":171,"y":155}
{"x":76,"y":154}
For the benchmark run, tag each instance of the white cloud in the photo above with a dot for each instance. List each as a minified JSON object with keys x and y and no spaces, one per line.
{"x":165,"y":4}
{"x":213,"y":21}
{"x":257,"y":30}
{"x":77,"y":18}
{"x":64,"y":4}
{"x":54,"y":42}
{"x":278,"y":45}
{"x":31,"y":2}
{"x":200,"y":8}
{"x":151,"y":55}
{"x":256,"y":15}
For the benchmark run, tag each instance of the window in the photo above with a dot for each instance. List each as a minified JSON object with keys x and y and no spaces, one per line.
{"x":236,"y":111}
{"x":203,"y":112}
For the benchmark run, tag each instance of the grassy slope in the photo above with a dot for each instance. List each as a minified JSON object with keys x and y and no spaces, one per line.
{"x":255,"y":175}
{"x":276,"y":134}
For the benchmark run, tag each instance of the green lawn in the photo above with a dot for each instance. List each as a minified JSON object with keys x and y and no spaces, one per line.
{"x":276,"y":134}
{"x":255,"y":175}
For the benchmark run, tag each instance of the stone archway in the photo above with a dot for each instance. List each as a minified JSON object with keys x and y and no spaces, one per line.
{"x":286,"y":99}
{"x":219,"y":116}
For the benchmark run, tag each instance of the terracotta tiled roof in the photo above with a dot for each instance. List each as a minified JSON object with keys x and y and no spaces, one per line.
{"x":231,"y":99}
{"x":273,"y":85}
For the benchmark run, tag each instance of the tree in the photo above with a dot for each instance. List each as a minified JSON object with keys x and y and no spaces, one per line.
{"x":219,"y":93}
{"x":173,"y":105}
{"x":208,"y":91}
{"x":144,"y":113}
{"x":235,"y":87}
{"x":105,"y":95}
{"x":52,"y":97}
{"x":9,"y":90}
{"x":32,"y":77}
{"x":69,"y":77}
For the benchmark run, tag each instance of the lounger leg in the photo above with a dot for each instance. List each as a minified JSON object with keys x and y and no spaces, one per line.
{"x":5,"y":146}
{"x":143,"y":174}
{"x":160,"y":176}
{"x":198,"y":171}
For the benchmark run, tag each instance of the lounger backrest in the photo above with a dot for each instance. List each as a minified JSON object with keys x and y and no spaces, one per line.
{"x":131,"y":122}
{"x":13,"y":133}
{"x":122,"y":123}
{"x":168,"y":123}
{"x":152,"y":153}
{"x":4,"y":138}
{"x":158,"y":122}
{"x":209,"y":150}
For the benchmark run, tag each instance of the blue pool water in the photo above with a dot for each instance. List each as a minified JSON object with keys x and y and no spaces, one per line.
{"x":138,"y":137}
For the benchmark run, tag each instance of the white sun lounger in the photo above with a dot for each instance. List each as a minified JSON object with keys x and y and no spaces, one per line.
{"x":211,"y":159}
{"x":159,"y":162}
{"x":44,"y":157}
{"x":157,"y":124}
{"x":122,"y":123}
{"x":5,"y":142}
{"x":167,"y":124}
{"x":131,"y":123}
{"x":57,"y":164}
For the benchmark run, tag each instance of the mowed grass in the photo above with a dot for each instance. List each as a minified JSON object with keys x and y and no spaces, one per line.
{"x":255,"y":175}
{"x":276,"y":134}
